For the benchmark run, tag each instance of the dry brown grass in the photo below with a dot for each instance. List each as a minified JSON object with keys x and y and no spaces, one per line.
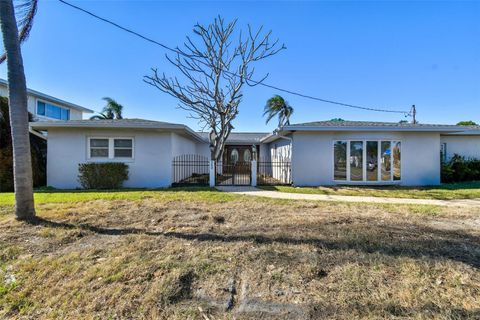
{"x":244,"y":258}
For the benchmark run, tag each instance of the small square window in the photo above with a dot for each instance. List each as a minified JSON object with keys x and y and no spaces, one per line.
{"x":98,"y":148}
{"x":122,"y":148}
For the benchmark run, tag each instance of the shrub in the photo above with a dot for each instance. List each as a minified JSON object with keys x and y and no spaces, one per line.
{"x":460,"y":169}
{"x":108,"y":175}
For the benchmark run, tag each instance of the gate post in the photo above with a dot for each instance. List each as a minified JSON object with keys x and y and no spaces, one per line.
{"x":254,"y":173}
{"x":212,"y":173}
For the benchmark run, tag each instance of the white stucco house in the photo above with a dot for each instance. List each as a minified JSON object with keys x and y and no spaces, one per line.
{"x":317,"y":153}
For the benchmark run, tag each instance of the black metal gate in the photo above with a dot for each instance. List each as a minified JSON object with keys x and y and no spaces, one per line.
{"x":233,"y":174}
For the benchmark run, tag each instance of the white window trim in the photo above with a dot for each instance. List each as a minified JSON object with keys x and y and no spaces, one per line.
{"x":364,"y":164}
{"x":53,"y":104}
{"x":111,"y":149}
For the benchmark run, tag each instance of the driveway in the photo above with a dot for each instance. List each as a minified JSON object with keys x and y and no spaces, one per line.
{"x":252,"y":191}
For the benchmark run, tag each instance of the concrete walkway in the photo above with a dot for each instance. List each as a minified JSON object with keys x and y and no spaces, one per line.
{"x":252,"y":191}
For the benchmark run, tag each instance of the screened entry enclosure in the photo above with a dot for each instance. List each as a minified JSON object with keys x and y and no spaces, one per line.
{"x":367,"y":161}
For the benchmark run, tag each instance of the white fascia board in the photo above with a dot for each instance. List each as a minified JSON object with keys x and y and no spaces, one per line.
{"x":370,"y":128}
{"x":44,"y":125}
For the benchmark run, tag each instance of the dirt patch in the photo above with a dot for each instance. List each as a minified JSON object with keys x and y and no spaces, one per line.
{"x":239,"y":259}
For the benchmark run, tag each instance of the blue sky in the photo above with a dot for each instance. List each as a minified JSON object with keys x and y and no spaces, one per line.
{"x":380,"y":54}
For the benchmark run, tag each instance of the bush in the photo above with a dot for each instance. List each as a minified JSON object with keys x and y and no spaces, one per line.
{"x":108,"y":175}
{"x":459,"y":169}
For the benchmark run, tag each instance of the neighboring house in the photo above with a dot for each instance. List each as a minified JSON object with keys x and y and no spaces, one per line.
{"x":320,"y":153}
{"x":45,"y":107}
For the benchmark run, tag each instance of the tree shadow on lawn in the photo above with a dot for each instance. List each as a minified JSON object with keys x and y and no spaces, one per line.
{"x":409,"y":241}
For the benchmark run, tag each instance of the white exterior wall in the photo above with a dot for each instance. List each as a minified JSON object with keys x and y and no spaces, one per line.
{"x":203,"y":148}
{"x":467,"y":146}
{"x":264,"y":152}
{"x":150,"y":167}
{"x":312,"y":157}
{"x":182,"y":145}
{"x":281,"y":149}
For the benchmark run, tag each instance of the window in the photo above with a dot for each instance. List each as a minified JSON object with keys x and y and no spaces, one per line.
{"x":51,"y":111}
{"x":443,"y":152}
{"x":110,"y":148}
{"x":369,"y":161}
{"x":356,"y":160}
{"x":247,"y":155}
{"x":234,"y":156}
{"x":340,"y":160}
{"x":372,"y":160}
{"x":386,"y":161}
{"x":122,"y":148}
{"x":396,"y":160}
{"x":98,"y":148}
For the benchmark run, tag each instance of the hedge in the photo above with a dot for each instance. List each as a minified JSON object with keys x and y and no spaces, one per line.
{"x":108,"y":175}
{"x":460,"y":169}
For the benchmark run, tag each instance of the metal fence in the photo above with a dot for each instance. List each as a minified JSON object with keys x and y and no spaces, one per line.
{"x":274,"y":172}
{"x":233,"y":174}
{"x":190,"y":170}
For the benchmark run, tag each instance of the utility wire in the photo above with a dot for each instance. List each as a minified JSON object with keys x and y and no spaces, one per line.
{"x":299,"y":94}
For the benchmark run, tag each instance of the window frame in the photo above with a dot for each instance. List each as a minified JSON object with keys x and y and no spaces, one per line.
{"x":111,"y":148}
{"x":364,"y":164}
{"x":54,"y":105}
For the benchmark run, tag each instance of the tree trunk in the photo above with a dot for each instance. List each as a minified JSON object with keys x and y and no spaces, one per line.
{"x":17,"y":94}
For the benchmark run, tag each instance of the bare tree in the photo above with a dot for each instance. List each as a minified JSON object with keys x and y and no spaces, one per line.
{"x":214,"y":70}
{"x":17,"y":98}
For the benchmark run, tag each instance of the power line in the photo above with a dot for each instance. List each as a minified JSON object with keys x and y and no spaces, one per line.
{"x":407,"y":113}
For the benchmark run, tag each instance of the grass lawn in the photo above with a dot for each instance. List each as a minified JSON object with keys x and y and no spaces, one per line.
{"x":469,"y":190}
{"x":203,"y":254}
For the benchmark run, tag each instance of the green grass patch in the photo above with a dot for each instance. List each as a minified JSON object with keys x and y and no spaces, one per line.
{"x":170,"y":194}
{"x":452,"y":191}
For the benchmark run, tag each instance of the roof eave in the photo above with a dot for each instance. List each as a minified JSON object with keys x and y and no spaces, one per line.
{"x":44,"y":96}
{"x":40,"y":125}
{"x":367,"y":128}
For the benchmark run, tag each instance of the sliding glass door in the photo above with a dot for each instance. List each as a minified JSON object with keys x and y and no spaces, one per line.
{"x":356,"y":160}
{"x":372,"y":160}
{"x":340,"y":160}
{"x":367,"y":160}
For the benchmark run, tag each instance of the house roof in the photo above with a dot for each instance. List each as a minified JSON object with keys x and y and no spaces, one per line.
{"x":47,"y":97}
{"x":374,"y":126}
{"x":115,"y":124}
{"x":330,"y":125}
{"x":240,"y":137}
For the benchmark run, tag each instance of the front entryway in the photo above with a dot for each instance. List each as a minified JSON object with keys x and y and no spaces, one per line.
{"x":198,"y":170}
{"x":237,"y":173}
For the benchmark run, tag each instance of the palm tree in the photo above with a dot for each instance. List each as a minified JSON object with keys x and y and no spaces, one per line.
{"x":277,"y":106}
{"x":113,"y":110}
{"x":17,"y":94}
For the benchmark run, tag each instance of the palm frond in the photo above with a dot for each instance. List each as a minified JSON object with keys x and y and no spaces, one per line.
{"x":277,"y":106}
{"x":25,"y":11}
{"x":113,"y":108}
